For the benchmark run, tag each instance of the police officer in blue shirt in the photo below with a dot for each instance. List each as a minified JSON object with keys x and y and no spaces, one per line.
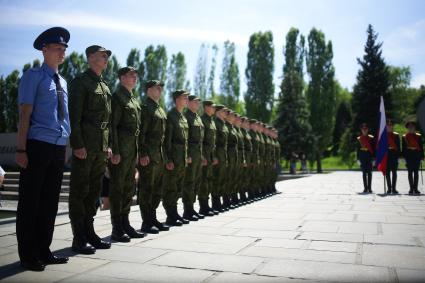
{"x":43,"y":131}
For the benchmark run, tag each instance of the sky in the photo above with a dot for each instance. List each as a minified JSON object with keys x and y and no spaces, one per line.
{"x":183,"y":25}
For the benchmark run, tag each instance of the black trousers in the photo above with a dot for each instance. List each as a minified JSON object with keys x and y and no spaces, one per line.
{"x":39,"y":189}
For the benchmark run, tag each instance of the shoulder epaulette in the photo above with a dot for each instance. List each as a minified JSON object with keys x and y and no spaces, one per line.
{"x":418,"y":134}
{"x":395,"y":133}
{"x":359,"y":137}
{"x":371,"y":136}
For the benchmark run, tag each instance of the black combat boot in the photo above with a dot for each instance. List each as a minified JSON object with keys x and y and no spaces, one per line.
{"x":79,"y":243}
{"x":216,"y":204}
{"x":147,"y":225}
{"x":179,"y":217}
{"x":159,"y":225}
{"x":188,"y":213}
{"x":118,"y":233}
{"x":129,"y":230}
{"x":93,"y":238}
{"x":204,"y":209}
{"x":172,"y":219}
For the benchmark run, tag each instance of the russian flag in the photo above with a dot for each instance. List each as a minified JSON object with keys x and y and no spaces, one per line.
{"x":382,"y":141}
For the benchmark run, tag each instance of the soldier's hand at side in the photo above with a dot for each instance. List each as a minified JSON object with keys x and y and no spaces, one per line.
{"x":215,"y":161}
{"x":204,"y":162}
{"x":109,"y":153}
{"x":169,"y":166}
{"x":22,"y":159}
{"x":189,"y":160}
{"x":116,"y":159}
{"x":144,"y":161}
{"x":80,"y":153}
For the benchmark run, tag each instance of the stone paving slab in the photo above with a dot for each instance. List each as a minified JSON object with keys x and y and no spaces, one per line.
{"x":319,"y":229}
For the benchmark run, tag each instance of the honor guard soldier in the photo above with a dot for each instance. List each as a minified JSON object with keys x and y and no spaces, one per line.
{"x":394,"y":150}
{"x":176,"y":134}
{"x":125,"y":131}
{"x":365,"y":154}
{"x":151,"y":157}
{"x":413,"y":153}
{"x":90,"y":110}
{"x":43,"y":131}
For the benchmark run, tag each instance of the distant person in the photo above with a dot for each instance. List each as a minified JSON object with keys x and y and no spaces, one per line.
{"x":413,"y":153}
{"x":43,"y":131}
{"x":365,"y":155}
{"x":303,"y":160}
{"x":293,"y":163}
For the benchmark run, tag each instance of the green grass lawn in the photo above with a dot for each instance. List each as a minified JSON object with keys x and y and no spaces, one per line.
{"x":335,"y":163}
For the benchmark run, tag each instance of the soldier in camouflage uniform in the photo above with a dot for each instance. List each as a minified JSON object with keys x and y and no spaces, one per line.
{"x":151,"y":157}
{"x":125,"y":131}
{"x":241,"y":162}
{"x":90,"y":110}
{"x":194,"y":169}
{"x":255,"y":161}
{"x":176,"y":135}
{"x":246,"y":169}
{"x":220,"y":170}
{"x":208,"y":154}
{"x":232,"y":155}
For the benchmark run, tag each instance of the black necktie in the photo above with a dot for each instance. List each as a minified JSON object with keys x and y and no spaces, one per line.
{"x":61,"y":103}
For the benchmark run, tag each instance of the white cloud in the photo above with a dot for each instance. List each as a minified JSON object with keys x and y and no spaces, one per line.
{"x":23,"y":17}
{"x":418,"y":80}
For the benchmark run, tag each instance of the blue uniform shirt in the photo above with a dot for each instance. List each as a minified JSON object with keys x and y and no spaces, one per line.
{"x":37,"y":87}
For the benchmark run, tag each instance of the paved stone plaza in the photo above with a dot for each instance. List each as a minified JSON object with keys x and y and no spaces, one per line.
{"x":320,"y":228}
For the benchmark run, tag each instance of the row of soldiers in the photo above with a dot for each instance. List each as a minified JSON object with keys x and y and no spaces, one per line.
{"x":410,"y":148}
{"x":178,"y":154}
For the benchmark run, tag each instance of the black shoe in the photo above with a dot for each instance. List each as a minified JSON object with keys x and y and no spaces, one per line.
{"x":52,"y":259}
{"x":93,"y":239}
{"x":33,"y":265}
{"x":118,"y":233}
{"x":416,"y":192}
{"x":189,"y":216}
{"x":79,"y":242}
{"x":129,"y":230}
{"x":173,"y":222}
{"x":160,"y":226}
{"x":389,"y":192}
{"x":199,"y":216}
{"x":411,"y":192}
{"x":206,"y":212}
{"x":119,"y":237}
{"x":149,"y":229}
{"x":395,"y":192}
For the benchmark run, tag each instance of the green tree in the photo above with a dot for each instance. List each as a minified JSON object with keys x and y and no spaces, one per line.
{"x":211,"y":78}
{"x":73,"y":65}
{"x":229,"y":79}
{"x":342,"y":122}
{"x":402,"y":98}
{"x":292,"y":120}
{"x":11,"y":84}
{"x":200,"y":79}
{"x":321,"y":92}
{"x":111,"y":73}
{"x":259,"y":96}
{"x":372,"y":83}
{"x":154,"y":66}
{"x":176,"y":75}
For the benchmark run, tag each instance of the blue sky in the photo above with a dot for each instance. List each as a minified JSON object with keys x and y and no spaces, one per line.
{"x":185,"y":25}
